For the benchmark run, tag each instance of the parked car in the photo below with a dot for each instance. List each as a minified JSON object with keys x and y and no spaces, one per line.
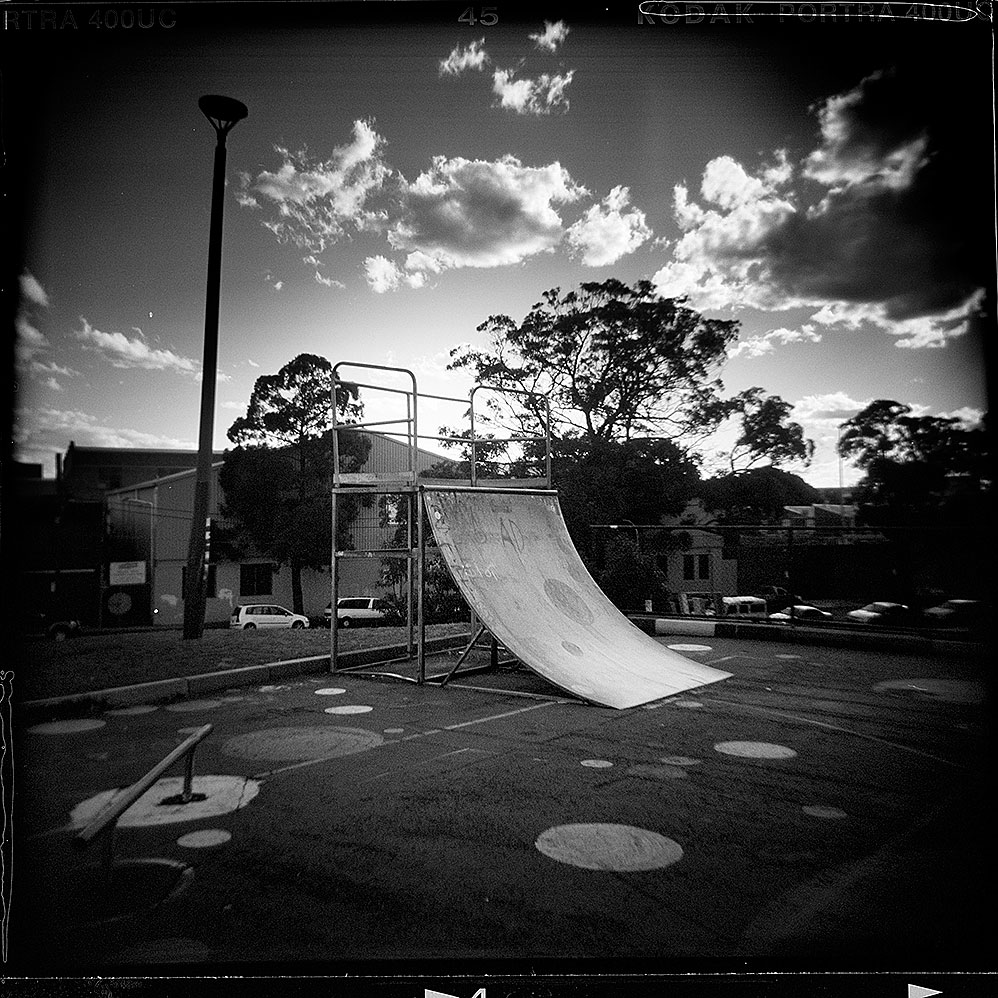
{"x":352,"y":611}
{"x":254,"y":615}
{"x":751,"y":607}
{"x":964,"y":614}
{"x":799,"y":612}
{"x":50,"y":626}
{"x":897,"y":614}
{"x":777,"y":598}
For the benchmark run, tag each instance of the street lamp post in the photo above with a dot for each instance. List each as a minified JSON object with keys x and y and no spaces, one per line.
{"x":223,"y":113}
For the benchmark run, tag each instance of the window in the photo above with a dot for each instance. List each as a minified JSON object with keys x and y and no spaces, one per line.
{"x":209,"y":589}
{"x":256,"y":579}
{"x":688,"y":566}
{"x":703,"y":566}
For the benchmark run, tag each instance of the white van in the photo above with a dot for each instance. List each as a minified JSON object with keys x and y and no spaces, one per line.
{"x":744,"y":607}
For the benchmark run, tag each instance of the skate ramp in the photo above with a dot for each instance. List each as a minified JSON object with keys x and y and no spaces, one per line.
{"x":515,"y":564}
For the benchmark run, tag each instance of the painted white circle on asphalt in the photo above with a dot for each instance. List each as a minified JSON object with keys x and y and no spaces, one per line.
{"x":293,"y":744}
{"x":688,"y":704}
{"x":679,"y":760}
{"x":755,"y":750}
{"x":223,"y":794}
{"x":350,"y":708}
{"x":690,"y":647}
{"x":146,"y":708}
{"x":622,"y":848}
{"x":71,"y":727}
{"x":821,"y":811}
{"x":596,"y":763}
{"x":189,"y":706}
{"x":204,"y":839}
{"x":948,"y":690}
{"x":330,"y":691}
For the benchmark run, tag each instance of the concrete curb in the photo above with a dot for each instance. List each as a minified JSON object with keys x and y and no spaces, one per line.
{"x":915,"y":643}
{"x":210,"y":682}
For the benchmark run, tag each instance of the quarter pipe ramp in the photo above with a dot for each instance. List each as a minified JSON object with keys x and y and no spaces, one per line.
{"x":514,"y":562}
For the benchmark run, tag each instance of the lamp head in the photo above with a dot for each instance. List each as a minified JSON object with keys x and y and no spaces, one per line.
{"x":222,"y":112}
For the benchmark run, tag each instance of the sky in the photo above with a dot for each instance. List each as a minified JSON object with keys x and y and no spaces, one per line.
{"x":403,"y":175}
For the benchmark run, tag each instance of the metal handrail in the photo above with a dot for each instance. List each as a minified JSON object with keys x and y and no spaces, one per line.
{"x":545,"y":436}
{"x":116,"y":807}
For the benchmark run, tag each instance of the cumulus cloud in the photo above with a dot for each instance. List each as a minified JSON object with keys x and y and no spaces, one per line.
{"x":876,"y":225}
{"x":123,"y":352}
{"x":317,"y":202}
{"x":552,"y":35}
{"x":481,"y":213}
{"x":472,"y":56}
{"x":385,"y":275}
{"x":543,"y":95}
{"x":759,"y":346}
{"x":608,"y":230}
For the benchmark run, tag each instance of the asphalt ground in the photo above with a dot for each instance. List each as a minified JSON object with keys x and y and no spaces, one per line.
{"x":432,"y":826}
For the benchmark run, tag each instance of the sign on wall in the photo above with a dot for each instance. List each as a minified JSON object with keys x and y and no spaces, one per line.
{"x":126,"y":573}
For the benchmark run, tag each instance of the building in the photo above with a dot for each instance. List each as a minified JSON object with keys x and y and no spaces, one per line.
{"x":106,"y":540}
{"x":149,"y":530}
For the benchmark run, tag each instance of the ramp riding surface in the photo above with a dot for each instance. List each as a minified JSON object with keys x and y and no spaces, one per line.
{"x":514,"y":562}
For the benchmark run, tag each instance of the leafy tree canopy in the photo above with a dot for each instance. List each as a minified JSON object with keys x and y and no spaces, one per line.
{"x":917,"y":466}
{"x":757,"y":495}
{"x":767,"y":434}
{"x":277,"y":480}
{"x":612,"y":361}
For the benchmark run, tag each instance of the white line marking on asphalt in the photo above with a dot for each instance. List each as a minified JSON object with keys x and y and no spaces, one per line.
{"x":499,"y":717}
{"x":596,"y":763}
{"x":424,"y":762}
{"x":848,"y":731}
{"x":408,"y":738}
{"x":71,"y":727}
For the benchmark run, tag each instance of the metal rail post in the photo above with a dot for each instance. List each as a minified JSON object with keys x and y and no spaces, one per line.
{"x":334,"y":586}
{"x":421,"y":586}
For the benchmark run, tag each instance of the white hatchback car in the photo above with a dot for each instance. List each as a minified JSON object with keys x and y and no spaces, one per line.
{"x":253,"y":615}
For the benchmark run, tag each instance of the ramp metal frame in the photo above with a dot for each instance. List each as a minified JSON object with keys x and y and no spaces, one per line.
{"x":406,"y":482}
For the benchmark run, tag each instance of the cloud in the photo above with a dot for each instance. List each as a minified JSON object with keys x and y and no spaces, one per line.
{"x":876,"y":225}
{"x":552,"y":35}
{"x":472,"y":56}
{"x":758,"y":346}
{"x":329,"y":282}
{"x":319,"y":201}
{"x":608,"y":230}
{"x":40,"y":432}
{"x":481,"y":213}
{"x":32,"y":293}
{"x":539,"y":96}
{"x":252,"y":363}
{"x":122,"y":352}
{"x":237,"y":406}
{"x":384,"y":275}
{"x":830,"y":407}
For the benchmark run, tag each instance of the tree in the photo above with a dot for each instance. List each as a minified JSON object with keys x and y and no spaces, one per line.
{"x":767,"y":433}
{"x":757,"y":495}
{"x":277,"y":480}
{"x":613,"y":361}
{"x":917,"y":467}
